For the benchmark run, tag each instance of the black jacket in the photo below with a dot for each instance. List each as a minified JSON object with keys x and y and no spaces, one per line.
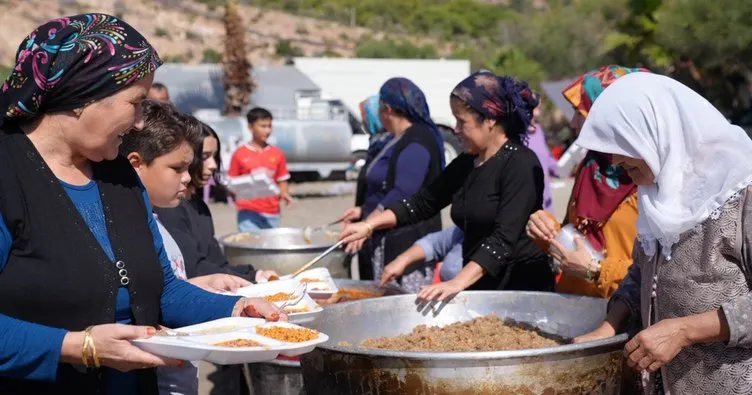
{"x":491,"y":203}
{"x":192,"y":227}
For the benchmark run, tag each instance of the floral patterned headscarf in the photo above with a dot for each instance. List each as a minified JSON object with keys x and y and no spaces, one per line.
{"x":72,"y":61}
{"x":583,"y":91}
{"x":499,"y":97}
{"x":600,"y":187}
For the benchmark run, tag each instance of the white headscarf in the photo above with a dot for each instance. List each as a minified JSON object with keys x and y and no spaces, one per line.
{"x":699,"y":159}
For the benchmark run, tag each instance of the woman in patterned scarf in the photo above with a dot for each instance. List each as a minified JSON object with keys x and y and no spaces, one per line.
{"x":603,"y":205}
{"x":493,"y":187}
{"x":83,"y":269}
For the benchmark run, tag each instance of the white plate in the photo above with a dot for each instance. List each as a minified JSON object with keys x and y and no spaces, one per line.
{"x":295,"y":349}
{"x":257,"y":290}
{"x":322,"y":289}
{"x":288,"y":286}
{"x":171,"y":347}
{"x":203,"y":346}
{"x":229,"y":324}
{"x":235,"y":355}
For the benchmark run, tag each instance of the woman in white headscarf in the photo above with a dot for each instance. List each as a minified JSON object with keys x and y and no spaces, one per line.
{"x":690,"y":281}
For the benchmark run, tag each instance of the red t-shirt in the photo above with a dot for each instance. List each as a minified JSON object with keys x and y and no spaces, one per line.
{"x":249,"y":160}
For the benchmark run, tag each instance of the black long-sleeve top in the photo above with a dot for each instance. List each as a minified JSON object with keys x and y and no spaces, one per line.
{"x":491,"y":203}
{"x":192,"y":227}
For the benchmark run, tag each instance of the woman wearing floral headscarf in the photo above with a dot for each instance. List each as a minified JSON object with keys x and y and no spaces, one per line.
{"x":412,"y":157}
{"x":83,"y":269}
{"x":603,"y":206}
{"x":493,"y":188}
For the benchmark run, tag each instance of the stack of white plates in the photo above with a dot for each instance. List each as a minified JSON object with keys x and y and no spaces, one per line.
{"x":200,"y":342}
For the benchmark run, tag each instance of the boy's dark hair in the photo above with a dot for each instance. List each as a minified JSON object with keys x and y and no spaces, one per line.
{"x":159,"y":86}
{"x":257,"y":113}
{"x":165,"y":129}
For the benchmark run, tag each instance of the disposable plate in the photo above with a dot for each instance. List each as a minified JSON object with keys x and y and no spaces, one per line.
{"x":193,"y":343}
{"x":285,"y":286}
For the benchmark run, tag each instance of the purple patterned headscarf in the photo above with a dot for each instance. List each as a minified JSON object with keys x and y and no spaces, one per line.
{"x":72,"y":61}
{"x":404,"y":96}
{"x":499,"y":97}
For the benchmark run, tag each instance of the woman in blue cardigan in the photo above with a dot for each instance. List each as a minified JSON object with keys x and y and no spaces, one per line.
{"x":412,"y":157}
{"x":81,"y":258}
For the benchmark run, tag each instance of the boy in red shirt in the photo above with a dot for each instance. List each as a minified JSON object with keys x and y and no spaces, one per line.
{"x":258,"y":156}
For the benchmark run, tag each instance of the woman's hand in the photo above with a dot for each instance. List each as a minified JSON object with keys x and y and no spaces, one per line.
{"x":393,"y":270}
{"x":355,"y":231}
{"x":576,"y":262}
{"x":258,"y":308}
{"x":355,"y":246}
{"x":355,"y":235}
{"x":263,"y":276}
{"x":603,"y":331}
{"x":541,"y":226}
{"x":441,"y":290}
{"x":219,"y":282}
{"x":352,"y":214}
{"x":657,"y":345}
{"x":114,"y":349}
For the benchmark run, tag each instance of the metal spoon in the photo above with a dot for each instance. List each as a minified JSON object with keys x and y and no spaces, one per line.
{"x":318,"y":258}
{"x":308,"y":230}
{"x":293,"y":302}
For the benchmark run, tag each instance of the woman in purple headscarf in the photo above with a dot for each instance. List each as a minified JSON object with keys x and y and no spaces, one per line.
{"x":83,"y":269}
{"x":492,"y":187}
{"x":413,"y":157}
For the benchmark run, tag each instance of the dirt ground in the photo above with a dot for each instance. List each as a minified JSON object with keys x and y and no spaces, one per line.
{"x":317,"y":203}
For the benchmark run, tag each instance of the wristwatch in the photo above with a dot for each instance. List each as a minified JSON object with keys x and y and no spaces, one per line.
{"x":594,"y":272}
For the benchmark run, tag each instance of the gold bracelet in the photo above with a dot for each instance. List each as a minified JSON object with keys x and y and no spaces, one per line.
{"x":89,"y":341}
{"x":370,"y":229}
{"x":85,"y":352}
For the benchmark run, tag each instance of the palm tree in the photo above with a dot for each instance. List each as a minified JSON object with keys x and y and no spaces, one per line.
{"x":236,"y":67}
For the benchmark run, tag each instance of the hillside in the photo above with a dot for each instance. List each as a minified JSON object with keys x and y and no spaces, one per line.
{"x":190,"y":31}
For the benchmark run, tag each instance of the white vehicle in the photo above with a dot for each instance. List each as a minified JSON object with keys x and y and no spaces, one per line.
{"x":317,"y":122}
{"x":350,"y":81}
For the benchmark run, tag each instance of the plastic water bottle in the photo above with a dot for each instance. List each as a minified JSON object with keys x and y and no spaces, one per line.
{"x":567,"y":236}
{"x":571,"y":157}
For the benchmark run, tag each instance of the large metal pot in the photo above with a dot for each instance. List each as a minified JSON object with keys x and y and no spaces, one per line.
{"x":284,"y":377}
{"x":340,"y":366}
{"x":283,"y":250}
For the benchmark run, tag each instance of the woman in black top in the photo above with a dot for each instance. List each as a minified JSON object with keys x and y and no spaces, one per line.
{"x":492,"y":187}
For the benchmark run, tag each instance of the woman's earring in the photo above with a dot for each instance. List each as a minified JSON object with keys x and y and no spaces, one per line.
{"x":78,"y":111}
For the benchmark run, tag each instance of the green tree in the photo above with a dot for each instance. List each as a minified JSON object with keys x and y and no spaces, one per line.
{"x":394,"y":49}
{"x":448,"y":19}
{"x":717,"y":39}
{"x":211,"y":56}
{"x":286,"y":49}
{"x":565,"y":39}
{"x":513,"y":62}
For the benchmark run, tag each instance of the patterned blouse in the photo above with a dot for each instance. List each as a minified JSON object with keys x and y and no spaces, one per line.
{"x":706,"y":272}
